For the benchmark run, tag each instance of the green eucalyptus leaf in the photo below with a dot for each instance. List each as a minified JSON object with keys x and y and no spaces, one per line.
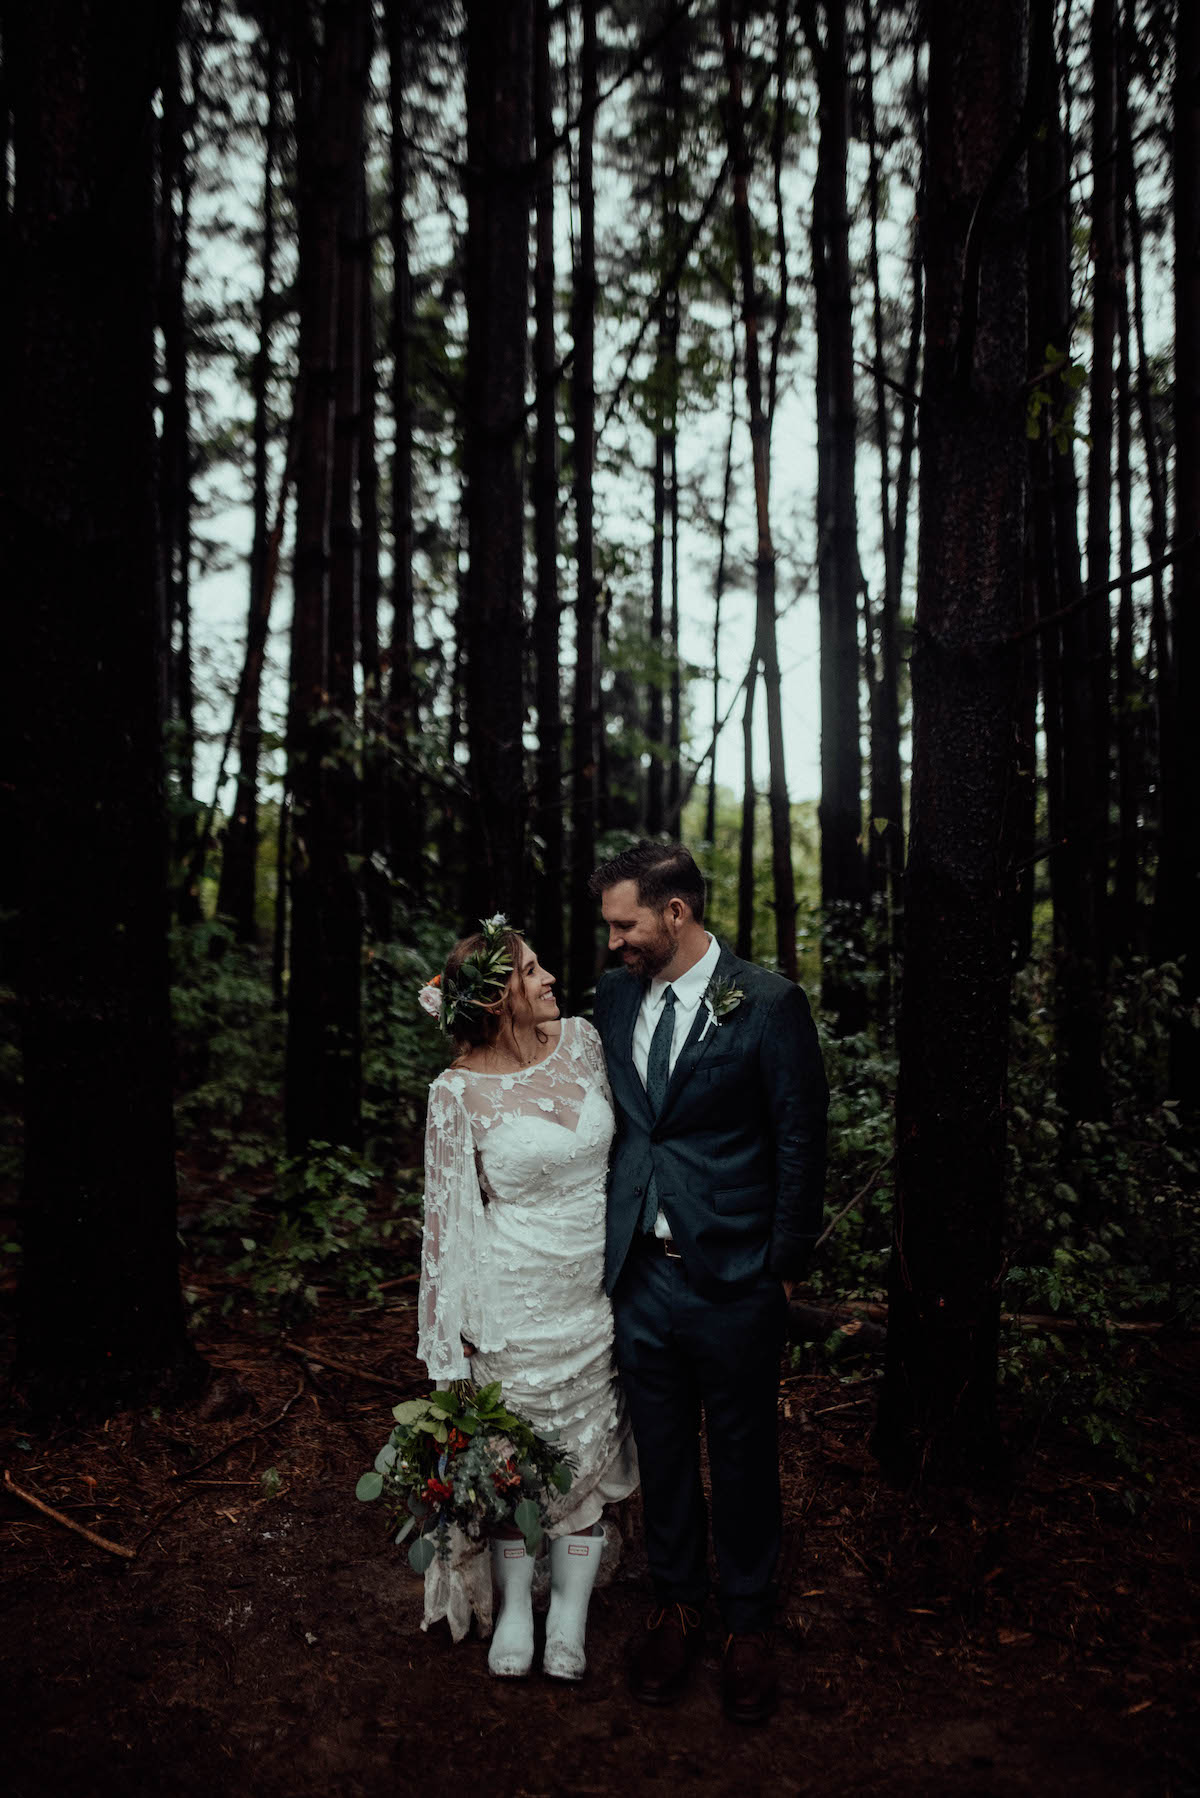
{"x":420,"y":1555}
{"x":369,"y":1486}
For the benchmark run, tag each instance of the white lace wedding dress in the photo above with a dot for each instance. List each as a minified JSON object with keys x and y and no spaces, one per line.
{"x":512,"y":1260}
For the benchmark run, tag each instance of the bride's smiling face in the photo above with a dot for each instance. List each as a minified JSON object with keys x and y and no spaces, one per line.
{"x":531,"y":991}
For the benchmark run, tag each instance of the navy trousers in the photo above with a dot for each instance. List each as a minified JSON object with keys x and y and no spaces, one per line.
{"x":680,"y":1353}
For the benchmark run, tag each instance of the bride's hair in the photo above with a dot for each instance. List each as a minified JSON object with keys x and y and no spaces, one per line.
{"x":478,"y":1021}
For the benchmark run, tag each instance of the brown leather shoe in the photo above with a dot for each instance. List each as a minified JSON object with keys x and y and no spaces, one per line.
{"x":749,"y":1682}
{"x":662,"y":1659}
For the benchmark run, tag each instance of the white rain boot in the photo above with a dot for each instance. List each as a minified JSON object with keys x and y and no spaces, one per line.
{"x":511,"y":1653}
{"x":574,"y":1564}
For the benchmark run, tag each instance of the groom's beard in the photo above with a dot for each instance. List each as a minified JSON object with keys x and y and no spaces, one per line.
{"x":649,"y":959}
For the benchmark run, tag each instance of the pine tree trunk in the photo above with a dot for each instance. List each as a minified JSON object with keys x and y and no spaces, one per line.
{"x":323,"y":1070}
{"x":1156,"y":536}
{"x":937,"y":1413}
{"x":1105,"y":301}
{"x":236,"y":898}
{"x":760,"y":437}
{"x":1075,"y":802}
{"x":548,"y":912}
{"x":710,"y":814}
{"x":1124,"y":914}
{"x":100,"y":1312}
{"x":1181,"y":750}
{"x":655,"y":701}
{"x":585,"y":722}
{"x":745,"y":910}
{"x":376,"y":882}
{"x":843,"y":871}
{"x":175,"y":484}
{"x":405,"y":822}
{"x":885,"y":828}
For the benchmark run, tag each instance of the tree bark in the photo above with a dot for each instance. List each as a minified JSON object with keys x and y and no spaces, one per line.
{"x":175,"y":466}
{"x":843,"y":869}
{"x":405,"y":822}
{"x":237,"y":893}
{"x":100,"y":1312}
{"x":1105,"y":301}
{"x":1181,"y":752}
{"x":937,"y":1412}
{"x":767,"y":647}
{"x":585,"y":722}
{"x":710,"y":813}
{"x":1123,"y":929}
{"x":548,"y":912}
{"x":885,"y":829}
{"x":323,"y":1068}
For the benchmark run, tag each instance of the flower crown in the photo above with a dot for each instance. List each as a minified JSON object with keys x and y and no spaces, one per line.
{"x":477,"y":984}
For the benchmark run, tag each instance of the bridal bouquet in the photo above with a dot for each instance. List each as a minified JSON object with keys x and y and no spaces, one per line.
{"x":460,"y":1457}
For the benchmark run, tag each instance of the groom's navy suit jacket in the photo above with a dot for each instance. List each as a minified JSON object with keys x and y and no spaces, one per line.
{"x":738,"y":1149}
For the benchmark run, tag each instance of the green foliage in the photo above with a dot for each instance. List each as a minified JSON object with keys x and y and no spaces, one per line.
{"x":328,"y":1230}
{"x":403,"y":1049}
{"x":1053,"y":399}
{"x":228,"y":1048}
{"x":461,"y":1457}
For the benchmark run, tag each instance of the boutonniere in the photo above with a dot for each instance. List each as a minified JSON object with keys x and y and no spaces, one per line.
{"x":720,"y":998}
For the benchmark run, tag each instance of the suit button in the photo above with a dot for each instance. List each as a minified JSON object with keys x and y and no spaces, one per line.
{"x":637,"y":1192}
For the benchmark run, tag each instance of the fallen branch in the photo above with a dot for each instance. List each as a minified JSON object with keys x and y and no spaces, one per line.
{"x":68,"y":1523}
{"x":320,"y":1359}
{"x":818,"y":1321}
{"x":247,"y":1436}
{"x":858,"y":1198}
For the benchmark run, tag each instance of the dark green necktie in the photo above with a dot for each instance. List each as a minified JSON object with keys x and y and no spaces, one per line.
{"x":658,"y":1076}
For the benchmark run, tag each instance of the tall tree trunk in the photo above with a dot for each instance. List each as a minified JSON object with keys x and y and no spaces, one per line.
{"x":499,"y":132}
{"x":1075,"y":800}
{"x":585,"y":721}
{"x":937,"y":1412}
{"x":885,"y":830}
{"x":655,"y":698}
{"x":843,"y":870}
{"x":175,"y":472}
{"x":760,"y":437}
{"x":377,"y":883}
{"x":323,"y":1086}
{"x":675,"y":678}
{"x":1105,"y":279}
{"x":1124,"y":914}
{"x":746,"y":859}
{"x":710,"y":813}
{"x":100,"y":1312}
{"x":1181,"y":751}
{"x":1156,"y":535}
{"x":239,"y":857}
{"x":405,"y":823}
{"x":548,"y":912}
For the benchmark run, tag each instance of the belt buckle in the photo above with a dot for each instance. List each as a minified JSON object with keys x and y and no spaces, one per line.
{"x":671,"y":1253}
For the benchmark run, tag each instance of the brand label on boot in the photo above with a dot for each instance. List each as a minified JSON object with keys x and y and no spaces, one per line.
{"x":577,"y":1548}
{"x":514,"y":1554}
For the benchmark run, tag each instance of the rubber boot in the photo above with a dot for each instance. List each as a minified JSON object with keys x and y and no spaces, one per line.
{"x":574,"y":1564}
{"x":511,"y":1653}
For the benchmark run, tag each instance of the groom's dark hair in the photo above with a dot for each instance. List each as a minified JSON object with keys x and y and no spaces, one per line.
{"x":662,"y":871}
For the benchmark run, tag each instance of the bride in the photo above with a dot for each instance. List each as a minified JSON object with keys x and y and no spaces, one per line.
{"x":516,"y":1153}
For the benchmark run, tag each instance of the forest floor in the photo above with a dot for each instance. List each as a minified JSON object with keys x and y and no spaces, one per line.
{"x":265,"y":1637}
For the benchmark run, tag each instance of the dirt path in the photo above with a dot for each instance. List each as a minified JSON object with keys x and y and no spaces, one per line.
{"x":271,"y":1644}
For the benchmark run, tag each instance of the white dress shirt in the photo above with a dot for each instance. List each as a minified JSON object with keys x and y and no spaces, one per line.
{"x":689,"y":991}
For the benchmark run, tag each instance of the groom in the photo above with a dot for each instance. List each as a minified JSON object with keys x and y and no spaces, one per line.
{"x":715,"y":1196}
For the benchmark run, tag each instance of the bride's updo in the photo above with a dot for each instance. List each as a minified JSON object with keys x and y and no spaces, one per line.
{"x":476,"y":997}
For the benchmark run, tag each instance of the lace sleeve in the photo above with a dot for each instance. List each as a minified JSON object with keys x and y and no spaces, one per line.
{"x":449,"y":1300}
{"x":593,"y":1055}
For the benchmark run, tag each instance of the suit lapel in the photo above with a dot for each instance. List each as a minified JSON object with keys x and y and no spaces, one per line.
{"x":701,"y":1035}
{"x":624,"y":1025}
